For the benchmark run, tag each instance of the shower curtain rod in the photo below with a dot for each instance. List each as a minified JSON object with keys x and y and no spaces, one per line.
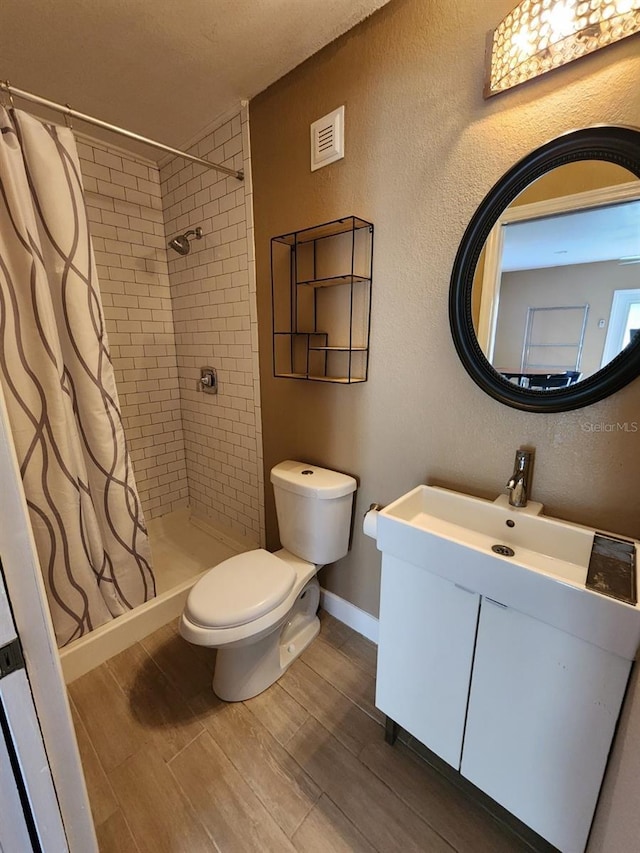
{"x":66,"y":110}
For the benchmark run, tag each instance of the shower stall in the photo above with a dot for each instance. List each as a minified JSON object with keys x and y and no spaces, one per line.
{"x":148,"y":481}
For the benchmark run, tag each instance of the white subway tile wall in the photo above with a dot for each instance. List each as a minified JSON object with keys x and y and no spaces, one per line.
{"x":214,"y":309}
{"x":167,"y":315}
{"x":125,"y":212}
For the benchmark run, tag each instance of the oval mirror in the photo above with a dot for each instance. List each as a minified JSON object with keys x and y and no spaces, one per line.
{"x":544,"y":302}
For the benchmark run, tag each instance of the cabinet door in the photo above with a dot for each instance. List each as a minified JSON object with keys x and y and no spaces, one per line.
{"x":542,"y":713}
{"x":425,"y":649}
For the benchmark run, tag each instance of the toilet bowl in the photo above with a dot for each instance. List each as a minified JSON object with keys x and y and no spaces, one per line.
{"x":258,"y":609}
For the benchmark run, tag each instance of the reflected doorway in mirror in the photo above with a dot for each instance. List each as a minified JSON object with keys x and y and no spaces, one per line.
{"x":624,"y":321}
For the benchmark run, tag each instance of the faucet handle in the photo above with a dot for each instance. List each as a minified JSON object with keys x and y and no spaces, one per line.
{"x":518,"y":484}
{"x":523,"y":458}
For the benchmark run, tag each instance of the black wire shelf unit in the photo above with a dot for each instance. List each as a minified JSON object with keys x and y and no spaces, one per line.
{"x":321,"y":302}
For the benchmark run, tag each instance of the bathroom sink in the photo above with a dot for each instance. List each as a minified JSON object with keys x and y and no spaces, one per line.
{"x":540,"y":566}
{"x":546,"y":544}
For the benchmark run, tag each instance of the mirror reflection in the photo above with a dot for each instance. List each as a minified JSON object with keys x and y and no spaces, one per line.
{"x":556,"y":293}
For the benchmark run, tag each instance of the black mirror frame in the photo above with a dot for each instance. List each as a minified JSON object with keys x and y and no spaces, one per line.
{"x":619,"y":145}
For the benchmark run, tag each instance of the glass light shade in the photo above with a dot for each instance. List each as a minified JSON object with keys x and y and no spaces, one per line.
{"x":539,"y":35}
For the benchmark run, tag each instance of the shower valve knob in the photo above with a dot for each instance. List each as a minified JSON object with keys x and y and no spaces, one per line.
{"x":208,"y":380}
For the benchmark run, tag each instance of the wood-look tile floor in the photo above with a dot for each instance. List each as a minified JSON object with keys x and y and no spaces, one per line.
{"x":304,"y":766}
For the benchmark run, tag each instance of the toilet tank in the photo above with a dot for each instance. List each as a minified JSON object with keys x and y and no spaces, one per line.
{"x":314,"y":510}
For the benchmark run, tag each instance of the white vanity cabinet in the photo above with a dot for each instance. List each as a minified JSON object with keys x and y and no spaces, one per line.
{"x":426,"y":638}
{"x":518,"y":683}
{"x":524,"y":710}
{"x":542,"y":712}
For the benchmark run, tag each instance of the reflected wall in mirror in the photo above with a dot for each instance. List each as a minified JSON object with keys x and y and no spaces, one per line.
{"x":545,"y":294}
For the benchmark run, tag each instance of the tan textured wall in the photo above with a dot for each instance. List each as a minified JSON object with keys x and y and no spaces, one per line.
{"x":422,"y":149}
{"x":213,"y":297}
{"x":125,"y":211}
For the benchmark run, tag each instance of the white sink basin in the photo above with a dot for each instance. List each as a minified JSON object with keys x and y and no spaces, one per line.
{"x":546,"y":544}
{"x":451,"y":535}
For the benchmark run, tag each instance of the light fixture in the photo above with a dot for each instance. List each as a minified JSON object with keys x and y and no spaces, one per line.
{"x":540,"y":35}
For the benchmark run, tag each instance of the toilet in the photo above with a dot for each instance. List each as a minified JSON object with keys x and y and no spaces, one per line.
{"x":259,"y":609}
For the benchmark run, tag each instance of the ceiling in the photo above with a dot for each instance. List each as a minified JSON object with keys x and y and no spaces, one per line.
{"x":605,"y":233}
{"x":163,"y":69}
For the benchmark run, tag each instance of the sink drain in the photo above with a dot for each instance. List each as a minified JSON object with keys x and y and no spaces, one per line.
{"x":503,"y":550}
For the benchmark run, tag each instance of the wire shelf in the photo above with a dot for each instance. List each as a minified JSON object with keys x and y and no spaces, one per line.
{"x":321,"y":300}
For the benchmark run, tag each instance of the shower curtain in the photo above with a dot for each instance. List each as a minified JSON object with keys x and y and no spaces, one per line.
{"x":58,"y":382}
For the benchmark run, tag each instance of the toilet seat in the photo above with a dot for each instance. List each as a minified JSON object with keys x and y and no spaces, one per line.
{"x":240,"y":590}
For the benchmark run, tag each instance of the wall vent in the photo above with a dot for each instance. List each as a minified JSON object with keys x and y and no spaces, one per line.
{"x":327,"y":139}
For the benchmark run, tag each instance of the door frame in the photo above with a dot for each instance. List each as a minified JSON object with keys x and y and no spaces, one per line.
{"x":620,"y":306}
{"x":28,"y":600}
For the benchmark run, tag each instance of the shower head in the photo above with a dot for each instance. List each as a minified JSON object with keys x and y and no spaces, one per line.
{"x":181,"y":244}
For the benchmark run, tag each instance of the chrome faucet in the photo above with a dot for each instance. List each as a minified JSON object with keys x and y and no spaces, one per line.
{"x":518,"y":485}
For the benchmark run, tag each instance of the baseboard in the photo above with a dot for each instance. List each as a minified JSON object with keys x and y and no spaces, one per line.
{"x":117,"y":635}
{"x":344,"y":611}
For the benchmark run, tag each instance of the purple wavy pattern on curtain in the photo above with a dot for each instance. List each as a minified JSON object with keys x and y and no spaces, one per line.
{"x":59,"y":386}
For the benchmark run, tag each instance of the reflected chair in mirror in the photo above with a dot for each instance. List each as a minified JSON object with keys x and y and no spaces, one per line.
{"x":543,"y":381}
{"x":546,"y":381}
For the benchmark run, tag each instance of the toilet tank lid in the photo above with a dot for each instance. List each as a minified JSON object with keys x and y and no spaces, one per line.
{"x":311,"y":480}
